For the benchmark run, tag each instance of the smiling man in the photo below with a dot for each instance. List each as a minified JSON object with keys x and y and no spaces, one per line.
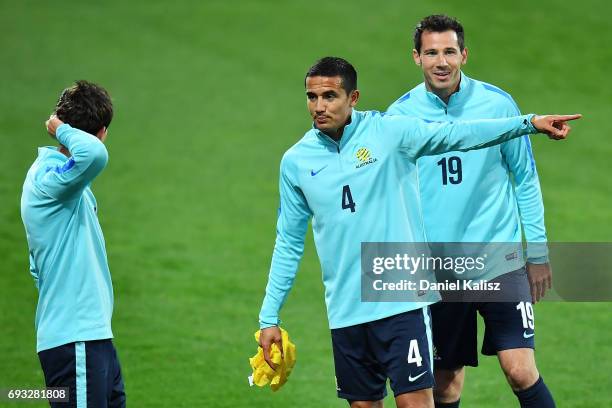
{"x":345,"y":174}
{"x":483,"y":196}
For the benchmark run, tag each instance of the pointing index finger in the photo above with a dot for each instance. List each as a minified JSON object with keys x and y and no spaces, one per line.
{"x":566,"y":118}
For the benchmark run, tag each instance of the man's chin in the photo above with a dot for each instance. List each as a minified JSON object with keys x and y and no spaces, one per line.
{"x":444,"y":84}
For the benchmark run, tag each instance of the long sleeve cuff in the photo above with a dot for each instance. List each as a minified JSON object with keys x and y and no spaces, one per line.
{"x":530,"y":128}
{"x":269,"y":323}
{"x":537,"y":252}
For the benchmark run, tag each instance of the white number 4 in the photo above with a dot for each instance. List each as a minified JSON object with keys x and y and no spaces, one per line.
{"x":527,"y":314}
{"x":414,"y":356}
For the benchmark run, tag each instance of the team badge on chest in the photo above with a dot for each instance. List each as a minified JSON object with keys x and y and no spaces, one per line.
{"x":364,"y":157}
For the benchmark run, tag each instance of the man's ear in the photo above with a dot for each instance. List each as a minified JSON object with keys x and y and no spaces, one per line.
{"x":354,"y":97}
{"x":464,"y":56}
{"x":416,"y":57}
{"x":102,"y":134}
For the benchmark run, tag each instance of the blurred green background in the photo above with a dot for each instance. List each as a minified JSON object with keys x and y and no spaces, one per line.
{"x":208,"y":96}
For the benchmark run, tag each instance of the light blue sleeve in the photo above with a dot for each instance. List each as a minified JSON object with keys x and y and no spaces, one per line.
{"x":292,"y":223}
{"x":421,"y":138}
{"x":518,"y":156}
{"x":88,"y":158}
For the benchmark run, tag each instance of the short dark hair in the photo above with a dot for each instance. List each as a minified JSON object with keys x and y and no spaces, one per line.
{"x":335,"y":66}
{"x":438,"y":23}
{"x":85,"y":106}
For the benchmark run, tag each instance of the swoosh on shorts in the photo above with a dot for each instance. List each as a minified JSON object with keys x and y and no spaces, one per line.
{"x":411,"y":378}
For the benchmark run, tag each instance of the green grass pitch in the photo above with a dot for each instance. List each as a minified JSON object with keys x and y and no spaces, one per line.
{"x":208,"y":96}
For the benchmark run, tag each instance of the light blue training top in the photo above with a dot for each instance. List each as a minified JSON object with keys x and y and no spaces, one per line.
{"x":482,"y":195}
{"x":360,"y":189}
{"x":67,"y":252}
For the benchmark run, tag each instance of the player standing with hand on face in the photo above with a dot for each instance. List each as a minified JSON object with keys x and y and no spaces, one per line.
{"x":68,"y":255}
{"x":344,"y":174}
{"x":482,"y":196}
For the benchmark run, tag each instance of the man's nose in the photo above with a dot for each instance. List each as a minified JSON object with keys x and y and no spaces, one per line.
{"x":442,"y":62}
{"x":320,"y":105}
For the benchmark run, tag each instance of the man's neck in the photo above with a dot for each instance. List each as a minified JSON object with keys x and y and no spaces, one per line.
{"x":445,"y":93}
{"x":337,"y":134}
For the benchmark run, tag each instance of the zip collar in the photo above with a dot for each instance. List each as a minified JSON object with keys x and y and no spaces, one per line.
{"x":347,"y":133}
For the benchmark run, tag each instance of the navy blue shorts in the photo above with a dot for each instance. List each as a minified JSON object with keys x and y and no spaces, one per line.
{"x":397,"y":347}
{"x":91,"y":371}
{"x":508,"y":325}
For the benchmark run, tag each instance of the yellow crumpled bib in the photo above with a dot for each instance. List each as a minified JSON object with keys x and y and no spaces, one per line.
{"x":263,"y":374}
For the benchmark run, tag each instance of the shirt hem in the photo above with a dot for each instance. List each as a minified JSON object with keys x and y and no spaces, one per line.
{"x":374,"y":317}
{"x":98,"y":335}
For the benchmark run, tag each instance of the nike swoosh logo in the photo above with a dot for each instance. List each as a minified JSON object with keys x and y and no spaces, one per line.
{"x":411,"y":378}
{"x":314,"y":173}
{"x":525,"y":335}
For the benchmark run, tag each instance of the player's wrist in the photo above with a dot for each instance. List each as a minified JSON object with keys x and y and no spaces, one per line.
{"x":531,"y":118}
{"x":267,"y":325}
{"x":539,"y":260}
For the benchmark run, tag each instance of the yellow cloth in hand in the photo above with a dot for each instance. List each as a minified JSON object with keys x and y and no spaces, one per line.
{"x":263,"y":374}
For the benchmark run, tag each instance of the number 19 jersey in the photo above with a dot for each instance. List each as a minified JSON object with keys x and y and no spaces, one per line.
{"x":481,"y":196}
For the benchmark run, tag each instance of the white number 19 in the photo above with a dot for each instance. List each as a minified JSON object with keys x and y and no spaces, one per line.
{"x":527,"y":314}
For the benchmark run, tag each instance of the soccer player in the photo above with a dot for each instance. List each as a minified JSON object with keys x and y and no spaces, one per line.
{"x":479,"y":196}
{"x":67,"y":253}
{"x":344,"y":173}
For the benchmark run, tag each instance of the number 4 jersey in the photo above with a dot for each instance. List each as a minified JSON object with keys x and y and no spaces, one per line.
{"x":360,"y":189}
{"x":479,"y":196}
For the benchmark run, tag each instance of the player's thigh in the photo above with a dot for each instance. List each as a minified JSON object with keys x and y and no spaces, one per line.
{"x":117,"y":398}
{"x":417,"y":399}
{"x":59,"y":368}
{"x":509,"y":325}
{"x":405,"y":350}
{"x":455,"y":337}
{"x":104,"y":383}
{"x":360,"y":377}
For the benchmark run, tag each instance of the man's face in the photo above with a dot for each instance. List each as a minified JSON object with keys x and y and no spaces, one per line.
{"x":328,"y":103}
{"x":441,"y":60}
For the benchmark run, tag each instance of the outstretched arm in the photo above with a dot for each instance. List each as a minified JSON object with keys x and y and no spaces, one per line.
{"x":420,"y":138}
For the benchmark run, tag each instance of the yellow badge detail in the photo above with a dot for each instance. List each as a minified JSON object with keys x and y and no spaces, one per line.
{"x":363,"y":154}
{"x":263,"y":374}
{"x":364,"y":158}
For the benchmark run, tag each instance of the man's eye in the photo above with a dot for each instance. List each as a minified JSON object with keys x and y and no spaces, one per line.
{"x":330,"y":97}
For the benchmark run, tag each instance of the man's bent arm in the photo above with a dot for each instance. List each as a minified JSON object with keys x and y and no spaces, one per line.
{"x":88,"y":158}
{"x":292,"y":223}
